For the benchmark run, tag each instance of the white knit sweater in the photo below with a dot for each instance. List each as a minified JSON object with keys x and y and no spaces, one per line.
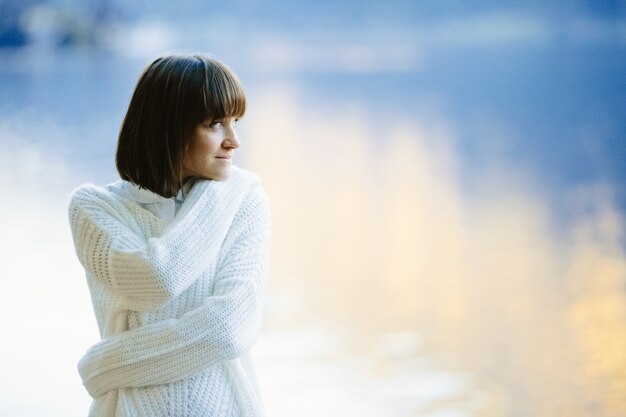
{"x":178,"y":305}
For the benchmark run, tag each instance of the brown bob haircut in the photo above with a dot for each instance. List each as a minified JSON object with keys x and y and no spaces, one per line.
{"x":174,"y":94}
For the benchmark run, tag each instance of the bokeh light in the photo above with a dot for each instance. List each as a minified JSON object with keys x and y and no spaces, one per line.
{"x":445,"y":183}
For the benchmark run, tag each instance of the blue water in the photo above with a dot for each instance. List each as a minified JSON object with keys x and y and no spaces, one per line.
{"x":547,"y":100}
{"x":559,"y":96}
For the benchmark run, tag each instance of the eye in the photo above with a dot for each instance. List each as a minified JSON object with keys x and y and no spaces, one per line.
{"x":216,"y":124}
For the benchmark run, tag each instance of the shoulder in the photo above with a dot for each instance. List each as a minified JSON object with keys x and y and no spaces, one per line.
{"x":255,"y":207}
{"x":256,"y":195}
{"x":91,"y":195}
{"x":240,"y":185}
{"x":240,"y":175}
{"x":86,"y":192}
{"x":238,"y":182}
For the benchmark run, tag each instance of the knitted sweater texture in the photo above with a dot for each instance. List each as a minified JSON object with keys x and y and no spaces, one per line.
{"x":178,"y":304}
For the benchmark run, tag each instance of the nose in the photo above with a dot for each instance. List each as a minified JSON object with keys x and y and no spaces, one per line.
{"x":231,"y":140}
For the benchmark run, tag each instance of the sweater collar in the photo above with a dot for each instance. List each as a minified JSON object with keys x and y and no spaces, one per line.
{"x":145,"y":196}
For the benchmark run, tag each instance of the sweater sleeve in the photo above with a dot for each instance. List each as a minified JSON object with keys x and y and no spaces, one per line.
{"x":224,"y":327}
{"x":150,"y":272}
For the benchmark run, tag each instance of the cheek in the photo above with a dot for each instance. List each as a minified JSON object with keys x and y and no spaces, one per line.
{"x":199,"y":150}
{"x":192,"y":157}
{"x":206,"y":145}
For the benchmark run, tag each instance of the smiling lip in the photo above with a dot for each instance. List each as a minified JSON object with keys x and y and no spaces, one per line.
{"x":223,"y":157}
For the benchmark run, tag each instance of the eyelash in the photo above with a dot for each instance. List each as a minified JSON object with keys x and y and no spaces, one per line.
{"x":215,"y":123}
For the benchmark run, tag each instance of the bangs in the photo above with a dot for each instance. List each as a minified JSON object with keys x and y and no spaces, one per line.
{"x":174,"y":94}
{"x":222,"y":93}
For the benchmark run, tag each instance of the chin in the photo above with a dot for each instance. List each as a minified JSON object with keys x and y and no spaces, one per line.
{"x":221,"y":176}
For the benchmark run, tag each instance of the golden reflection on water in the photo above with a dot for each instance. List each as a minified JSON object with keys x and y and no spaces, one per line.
{"x":372,"y":229}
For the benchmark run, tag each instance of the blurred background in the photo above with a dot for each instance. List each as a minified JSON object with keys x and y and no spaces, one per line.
{"x":446,"y":182}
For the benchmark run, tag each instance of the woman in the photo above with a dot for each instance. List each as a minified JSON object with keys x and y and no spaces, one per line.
{"x":175,"y":252}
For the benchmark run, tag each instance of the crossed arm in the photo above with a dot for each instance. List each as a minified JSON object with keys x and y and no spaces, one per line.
{"x":224,"y":327}
{"x":148,"y":273}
